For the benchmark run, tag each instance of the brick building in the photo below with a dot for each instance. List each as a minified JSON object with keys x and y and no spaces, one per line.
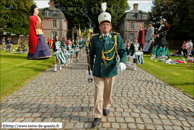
{"x":130,"y":22}
{"x":54,"y":22}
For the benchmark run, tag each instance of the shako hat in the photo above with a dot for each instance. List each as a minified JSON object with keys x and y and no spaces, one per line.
{"x":104,"y":16}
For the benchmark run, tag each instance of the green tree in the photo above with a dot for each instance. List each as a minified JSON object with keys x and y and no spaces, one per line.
{"x":14,"y":16}
{"x":179,"y":14}
{"x":85,"y":12}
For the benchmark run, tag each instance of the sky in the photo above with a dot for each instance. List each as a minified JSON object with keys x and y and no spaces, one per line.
{"x":144,"y":5}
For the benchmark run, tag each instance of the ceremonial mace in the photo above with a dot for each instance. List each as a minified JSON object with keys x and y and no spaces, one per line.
{"x":87,"y":52}
{"x":88,"y":60}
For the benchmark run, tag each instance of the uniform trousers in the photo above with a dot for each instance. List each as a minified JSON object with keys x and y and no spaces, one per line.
{"x":77,"y":55}
{"x":103,"y":93}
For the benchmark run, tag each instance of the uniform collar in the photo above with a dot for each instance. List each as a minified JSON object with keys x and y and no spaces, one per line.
{"x":105,"y":35}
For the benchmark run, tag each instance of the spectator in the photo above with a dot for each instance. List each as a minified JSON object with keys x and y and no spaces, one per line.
{"x":18,"y":50}
{"x":189,"y":44}
{"x":190,"y":56}
{"x":22,"y":46}
{"x":184,"y":47}
{"x":125,"y":43}
{"x":9,"y":43}
{"x":25,"y":49}
{"x":3,"y":43}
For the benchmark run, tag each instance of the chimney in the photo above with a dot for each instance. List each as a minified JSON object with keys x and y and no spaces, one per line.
{"x":135,"y":6}
{"x":52,"y":4}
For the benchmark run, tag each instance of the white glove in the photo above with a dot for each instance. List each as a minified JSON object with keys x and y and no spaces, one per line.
{"x":89,"y":76}
{"x":122,"y":67}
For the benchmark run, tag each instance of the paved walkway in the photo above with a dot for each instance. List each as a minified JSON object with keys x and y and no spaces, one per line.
{"x":139,"y":101}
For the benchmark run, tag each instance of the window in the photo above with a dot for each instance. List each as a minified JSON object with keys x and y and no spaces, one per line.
{"x":122,"y":26}
{"x":54,"y":23}
{"x":53,"y":35}
{"x":132,"y":25}
{"x":46,"y":13}
{"x":132,"y":36}
{"x":54,"y":15}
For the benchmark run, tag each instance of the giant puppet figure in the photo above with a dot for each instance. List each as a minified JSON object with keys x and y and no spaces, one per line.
{"x":149,"y":39}
{"x":160,"y":41}
{"x":141,"y":36}
{"x":38,"y":49}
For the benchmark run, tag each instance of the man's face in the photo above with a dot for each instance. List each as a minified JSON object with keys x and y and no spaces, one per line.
{"x":105,"y":27}
{"x":36,"y":11}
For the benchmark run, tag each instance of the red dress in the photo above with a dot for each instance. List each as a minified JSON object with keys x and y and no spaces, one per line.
{"x":38,"y":49}
{"x":141,"y":38}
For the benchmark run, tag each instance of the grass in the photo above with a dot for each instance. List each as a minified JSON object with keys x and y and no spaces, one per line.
{"x":17,"y":70}
{"x":177,"y":75}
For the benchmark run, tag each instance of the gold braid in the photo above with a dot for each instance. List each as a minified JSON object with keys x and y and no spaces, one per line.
{"x":114,"y":46}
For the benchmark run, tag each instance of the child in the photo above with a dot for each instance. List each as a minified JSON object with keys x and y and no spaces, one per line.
{"x":71,"y":51}
{"x":18,"y":51}
{"x":133,"y":49}
{"x":59,"y":56}
{"x":128,"y":53}
{"x":24,"y":50}
{"x":77,"y":51}
{"x":190,"y":56}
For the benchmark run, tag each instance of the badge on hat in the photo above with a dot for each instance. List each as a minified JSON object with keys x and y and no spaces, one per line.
{"x":104,"y":16}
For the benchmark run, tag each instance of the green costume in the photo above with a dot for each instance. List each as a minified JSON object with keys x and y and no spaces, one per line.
{"x":154,"y":50}
{"x":132,"y":48}
{"x":82,"y":43}
{"x":98,"y":45}
{"x":159,"y":52}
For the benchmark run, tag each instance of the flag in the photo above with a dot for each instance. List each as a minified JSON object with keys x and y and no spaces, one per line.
{"x":80,"y":34}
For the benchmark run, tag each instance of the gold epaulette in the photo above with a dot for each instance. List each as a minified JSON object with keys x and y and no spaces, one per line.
{"x":116,"y":33}
{"x":95,"y":34}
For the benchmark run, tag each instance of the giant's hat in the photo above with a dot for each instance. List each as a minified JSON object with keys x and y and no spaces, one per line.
{"x":104,"y":16}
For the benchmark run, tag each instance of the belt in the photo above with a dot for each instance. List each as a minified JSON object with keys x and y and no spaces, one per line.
{"x":39,"y":31}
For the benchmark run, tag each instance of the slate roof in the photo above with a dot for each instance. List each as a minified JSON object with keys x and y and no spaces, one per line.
{"x":53,"y":13}
{"x":135,"y":14}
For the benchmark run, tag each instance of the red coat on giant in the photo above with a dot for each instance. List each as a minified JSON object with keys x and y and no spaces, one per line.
{"x":141,"y":38}
{"x":32,"y":34}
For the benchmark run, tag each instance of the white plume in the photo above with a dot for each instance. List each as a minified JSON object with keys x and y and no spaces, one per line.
{"x":104,"y":6}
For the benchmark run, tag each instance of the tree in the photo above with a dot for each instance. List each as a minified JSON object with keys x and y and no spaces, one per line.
{"x":85,"y":12}
{"x":179,"y":14}
{"x":14,"y":16}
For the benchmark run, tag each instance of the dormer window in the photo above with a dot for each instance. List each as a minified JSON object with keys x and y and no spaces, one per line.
{"x":47,"y":13}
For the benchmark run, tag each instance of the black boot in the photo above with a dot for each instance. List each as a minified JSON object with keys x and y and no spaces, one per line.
{"x":106,"y":112}
{"x":96,"y":122}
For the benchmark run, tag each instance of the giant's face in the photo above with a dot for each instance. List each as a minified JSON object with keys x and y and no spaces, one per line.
{"x":36,"y":11}
{"x":105,"y":27}
{"x":161,"y":22}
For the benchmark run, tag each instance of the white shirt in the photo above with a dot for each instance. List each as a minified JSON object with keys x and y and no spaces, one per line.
{"x":105,"y":35}
{"x":136,"y":46}
{"x":189,"y":44}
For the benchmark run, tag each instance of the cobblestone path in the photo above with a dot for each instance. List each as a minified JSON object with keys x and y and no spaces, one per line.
{"x":139,"y":101}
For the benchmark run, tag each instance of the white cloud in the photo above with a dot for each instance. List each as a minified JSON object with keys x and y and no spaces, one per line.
{"x":144,"y":5}
{"x":42,"y":3}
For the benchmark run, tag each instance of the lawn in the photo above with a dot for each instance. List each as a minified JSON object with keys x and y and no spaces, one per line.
{"x":17,"y":70}
{"x":177,"y":75}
